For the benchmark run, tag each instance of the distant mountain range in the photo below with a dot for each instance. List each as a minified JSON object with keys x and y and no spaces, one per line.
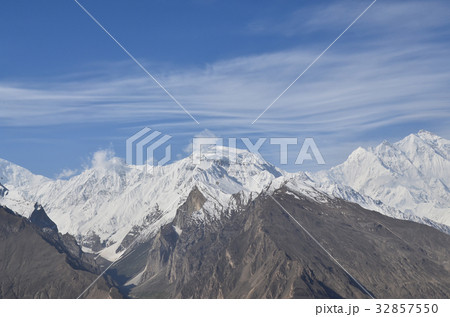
{"x":211,"y":230}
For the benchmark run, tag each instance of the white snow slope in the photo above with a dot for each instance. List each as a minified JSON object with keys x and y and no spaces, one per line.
{"x":412,"y":175}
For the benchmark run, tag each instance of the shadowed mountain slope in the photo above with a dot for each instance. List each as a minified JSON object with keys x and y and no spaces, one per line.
{"x":32,"y":267}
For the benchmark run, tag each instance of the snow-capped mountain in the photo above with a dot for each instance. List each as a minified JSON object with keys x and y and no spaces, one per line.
{"x":108,"y":200}
{"x":108,"y":205}
{"x":18,"y":177}
{"x":19,"y":187}
{"x":411,"y":175}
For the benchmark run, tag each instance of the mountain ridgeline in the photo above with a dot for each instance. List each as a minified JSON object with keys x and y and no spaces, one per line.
{"x":259,"y":251}
{"x":375,"y":226}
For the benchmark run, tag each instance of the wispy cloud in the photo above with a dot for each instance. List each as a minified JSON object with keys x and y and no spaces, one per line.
{"x":371,"y":84}
{"x":346,"y":90}
{"x":393,"y":17}
{"x":66,"y":173}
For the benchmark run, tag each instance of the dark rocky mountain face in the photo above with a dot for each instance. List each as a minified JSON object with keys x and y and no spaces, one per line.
{"x":39,"y":218}
{"x":252,"y":250}
{"x":38,"y":262}
{"x":258,"y":251}
{"x":3,"y":191}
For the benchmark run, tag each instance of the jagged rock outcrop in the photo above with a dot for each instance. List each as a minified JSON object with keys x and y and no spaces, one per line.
{"x":3,"y":191}
{"x":40,"y":219}
{"x":38,"y":263}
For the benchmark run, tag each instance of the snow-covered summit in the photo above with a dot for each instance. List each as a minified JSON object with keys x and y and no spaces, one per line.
{"x":411,"y":175}
{"x":17,"y":176}
{"x":110,"y":198}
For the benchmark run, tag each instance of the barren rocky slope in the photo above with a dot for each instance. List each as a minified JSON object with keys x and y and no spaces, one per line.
{"x":36,"y":263}
{"x":258,"y":251}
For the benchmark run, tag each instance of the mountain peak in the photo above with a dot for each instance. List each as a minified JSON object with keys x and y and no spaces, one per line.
{"x":219,"y":153}
{"x":17,"y":176}
{"x":420,"y":137}
{"x":426,"y":133}
{"x":39,"y":218}
{"x":357,"y":154}
{"x":431,"y":138}
{"x":384,"y":146}
{"x":411,"y":175}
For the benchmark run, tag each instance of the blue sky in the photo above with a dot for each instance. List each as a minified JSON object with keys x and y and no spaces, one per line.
{"x":67,"y":90}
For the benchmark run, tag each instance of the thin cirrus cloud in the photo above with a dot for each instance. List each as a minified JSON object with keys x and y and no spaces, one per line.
{"x":66,"y":173}
{"x":344,"y":90}
{"x":371,"y":83}
{"x":391,"y":17}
